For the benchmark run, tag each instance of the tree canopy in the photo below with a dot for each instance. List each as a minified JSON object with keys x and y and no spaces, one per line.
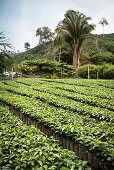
{"x":44,"y":34}
{"x":27,"y":46}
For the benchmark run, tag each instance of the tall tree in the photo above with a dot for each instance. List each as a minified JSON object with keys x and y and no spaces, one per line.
{"x":44,"y":34}
{"x":4,"y":45}
{"x":5,"y":58}
{"x":103,"y":22}
{"x":58,"y":42}
{"x":76,"y":30}
{"x":27,"y":46}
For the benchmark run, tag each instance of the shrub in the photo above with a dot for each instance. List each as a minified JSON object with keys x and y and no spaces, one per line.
{"x":100,"y":57}
{"x":109,"y":73}
{"x":101,"y":68}
{"x":82,"y":71}
{"x":106,"y":71}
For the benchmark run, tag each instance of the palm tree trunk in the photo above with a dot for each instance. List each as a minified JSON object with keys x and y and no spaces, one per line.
{"x":75,"y":58}
{"x":78,"y":56}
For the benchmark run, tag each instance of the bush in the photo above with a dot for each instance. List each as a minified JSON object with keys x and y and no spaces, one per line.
{"x":106,"y":71}
{"x":101,"y":68}
{"x":109,"y":73}
{"x":100,"y":57}
{"x":82,"y":71}
{"x":50,"y":76}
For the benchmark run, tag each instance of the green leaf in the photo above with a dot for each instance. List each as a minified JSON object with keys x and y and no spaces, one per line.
{"x":40,"y":162}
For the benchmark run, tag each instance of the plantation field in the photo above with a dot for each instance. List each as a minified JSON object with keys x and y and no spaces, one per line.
{"x":24,"y":147}
{"x":82,"y":110}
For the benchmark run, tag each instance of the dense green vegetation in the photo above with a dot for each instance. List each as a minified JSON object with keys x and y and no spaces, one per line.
{"x":51,"y":69}
{"x":24,"y":147}
{"x":105,"y":71}
{"x":80,"y":109}
{"x":98,"y":57}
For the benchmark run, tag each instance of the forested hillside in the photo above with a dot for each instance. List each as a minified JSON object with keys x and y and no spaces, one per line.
{"x":91,"y":53}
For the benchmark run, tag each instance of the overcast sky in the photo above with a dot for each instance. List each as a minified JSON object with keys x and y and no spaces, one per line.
{"x":20,"y":18}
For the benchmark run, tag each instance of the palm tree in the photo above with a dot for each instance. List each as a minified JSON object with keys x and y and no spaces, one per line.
{"x":76,"y":30}
{"x":103,"y":22}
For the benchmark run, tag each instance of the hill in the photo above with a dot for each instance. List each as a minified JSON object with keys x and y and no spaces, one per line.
{"x":104,"y":49}
{"x":39,"y":52}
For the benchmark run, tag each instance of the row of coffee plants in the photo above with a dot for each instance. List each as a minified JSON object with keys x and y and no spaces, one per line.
{"x":97,"y":138}
{"x":44,"y":87}
{"x":62,"y":102}
{"x":85,"y":82}
{"x":96,"y":90}
{"x":24,"y":147}
{"x":99,"y":91}
{"x":92,"y":100}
